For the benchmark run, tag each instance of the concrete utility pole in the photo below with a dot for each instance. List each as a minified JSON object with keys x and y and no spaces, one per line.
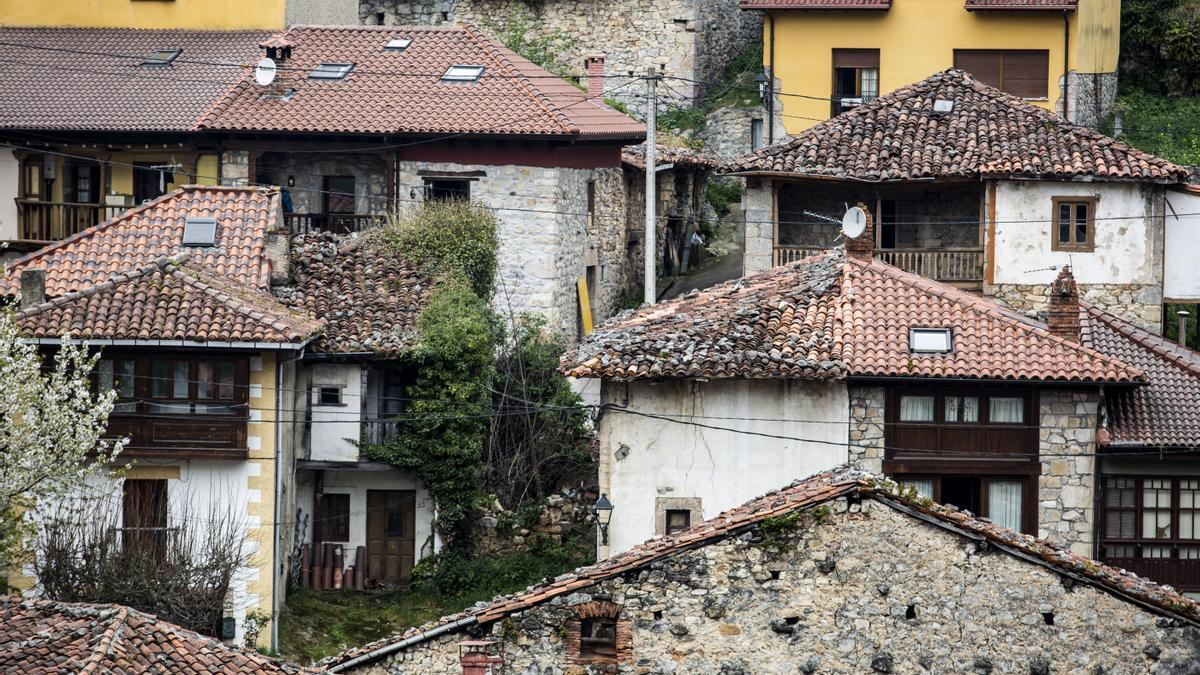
{"x":651,"y":287}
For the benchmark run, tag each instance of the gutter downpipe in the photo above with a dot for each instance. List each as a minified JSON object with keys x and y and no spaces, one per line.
{"x":771,"y":81}
{"x":276,"y":596}
{"x":1066,"y":64}
{"x":397,"y":646}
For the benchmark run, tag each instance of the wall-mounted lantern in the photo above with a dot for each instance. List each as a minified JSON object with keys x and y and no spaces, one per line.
{"x":602,"y":511}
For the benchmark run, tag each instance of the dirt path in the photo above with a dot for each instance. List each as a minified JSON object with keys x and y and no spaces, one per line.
{"x":728,"y":266}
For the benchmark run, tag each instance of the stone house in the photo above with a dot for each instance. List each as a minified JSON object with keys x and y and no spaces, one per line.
{"x":978,"y":188}
{"x":841,"y":573}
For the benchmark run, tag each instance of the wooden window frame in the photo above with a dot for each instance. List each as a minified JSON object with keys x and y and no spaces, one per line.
{"x":687,"y":520}
{"x":334,"y":525}
{"x":858,"y":56}
{"x":1029,"y":489}
{"x":319,"y":396}
{"x":1073,"y":246}
{"x":1002,"y":55}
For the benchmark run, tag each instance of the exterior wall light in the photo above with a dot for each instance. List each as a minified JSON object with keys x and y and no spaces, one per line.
{"x":602,"y":511}
{"x":763,"y":81}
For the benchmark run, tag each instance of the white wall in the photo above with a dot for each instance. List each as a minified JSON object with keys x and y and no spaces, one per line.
{"x":356,"y":483}
{"x":643,"y":458}
{"x":335,"y":429}
{"x":1181,"y":269}
{"x":9,"y":173}
{"x":1127,"y":248}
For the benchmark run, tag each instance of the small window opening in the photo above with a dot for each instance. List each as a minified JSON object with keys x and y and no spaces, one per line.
{"x":929,"y":340}
{"x":200,"y":232}
{"x":447,"y":189}
{"x":598,"y":637}
{"x":397,"y":44}
{"x":678,"y":520}
{"x":329,"y":396}
{"x":756,"y":134}
{"x":331,"y":71}
{"x":162,"y":57}
{"x":463,"y":74}
{"x":379,"y":18}
{"x":911,"y":612}
{"x":1048,"y":618}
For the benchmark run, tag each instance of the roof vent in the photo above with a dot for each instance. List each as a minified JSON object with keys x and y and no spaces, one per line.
{"x":930,"y":340}
{"x":331,"y":71}
{"x":943,"y":107}
{"x":397,"y":44}
{"x":459,"y":73}
{"x":162,"y":57}
{"x":200,"y":232}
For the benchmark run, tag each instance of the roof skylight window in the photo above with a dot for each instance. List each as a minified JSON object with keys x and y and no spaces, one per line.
{"x":397,"y":44}
{"x":942,"y":106}
{"x":463,"y":74}
{"x":162,"y":57}
{"x":331,"y":71}
{"x":930,"y":340}
{"x":200,"y":232}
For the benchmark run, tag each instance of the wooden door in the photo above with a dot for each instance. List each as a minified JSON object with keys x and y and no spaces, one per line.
{"x":391,"y":541}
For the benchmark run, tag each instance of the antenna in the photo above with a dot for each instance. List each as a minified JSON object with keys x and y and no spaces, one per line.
{"x":854,"y":223}
{"x":264,"y":72}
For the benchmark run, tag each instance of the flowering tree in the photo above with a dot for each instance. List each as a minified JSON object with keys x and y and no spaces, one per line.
{"x":51,"y":424}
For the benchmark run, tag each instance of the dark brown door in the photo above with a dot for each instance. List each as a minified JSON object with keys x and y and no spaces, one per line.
{"x":391,"y":550}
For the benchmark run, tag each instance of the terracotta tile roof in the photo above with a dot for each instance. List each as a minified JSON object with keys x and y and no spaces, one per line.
{"x":66,"y":87}
{"x":1022,"y":5}
{"x":831,"y":317}
{"x":42,"y":637}
{"x":635,"y":156}
{"x":898,"y":136}
{"x":145,"y":233}
{"x":816,"y":4}
{"x":400,"y":91}
{"x":170,"y":299}
{"x":1164,"y":412}
{"x":369,"y":297}
{"x":799,"y":495}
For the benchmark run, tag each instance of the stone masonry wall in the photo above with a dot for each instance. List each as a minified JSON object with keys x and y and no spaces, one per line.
{"x":1092,"y":97}
{"x":1140,"y":304}
{"x":758,"y":206}
{"x":867,"y":428}
{"x":308,"y":169}
{"x":848,"y":588}
{"x":1067,"y":485}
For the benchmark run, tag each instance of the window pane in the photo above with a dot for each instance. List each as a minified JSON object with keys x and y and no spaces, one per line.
{"x":225,"y":381}
{"x":923,"y":486}
{"x":204,"y":379}
{"x":1007,"y":410}
{"x":916,"y":408}
{"x":1188,"y":506}
{"x":970,"y":409}
{"x":869,"y":82}
{"x":1119,"y":493}
{"x":1081,"y":224}
{"x":104,"y":376}
{"x":1004,"y":503}
{"x":951,"y":407}
{"x":1064,"y":223}
{"x":1156,"y":508}
{"x":124,"y":375}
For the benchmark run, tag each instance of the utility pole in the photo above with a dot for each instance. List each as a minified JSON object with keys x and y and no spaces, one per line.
{"x":651,"y":286}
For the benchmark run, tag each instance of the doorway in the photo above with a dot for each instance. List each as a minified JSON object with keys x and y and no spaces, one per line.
{"x":391,"y":541}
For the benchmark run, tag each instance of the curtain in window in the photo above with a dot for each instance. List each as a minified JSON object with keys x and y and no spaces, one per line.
{"x":916,"y":408}
{"x":1189,"y":503}
{"x":1004,"y":503}
{"x":923,"y":486}
{"x":1156,"y":509}
{"x":1007,"y":410}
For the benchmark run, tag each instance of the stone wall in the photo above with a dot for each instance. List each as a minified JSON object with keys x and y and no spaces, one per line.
{"x":854,"y":588}
{"x":727,"y":133}
{"x":1092,"y":97}
{"x":1067,"y":485}
{"x":308,"y":170}
{"x":1140,"y":304}
{"x":867,"y":407}
{"x":498,"y":530}
{"x":759,"y":209}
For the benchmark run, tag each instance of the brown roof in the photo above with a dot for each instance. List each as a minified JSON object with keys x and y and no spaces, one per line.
{"x":801,"y":495}
{"x":832,"y":317}
{"x":816,"y":4}
{"x":41,"y":637}
{"x":898,"y":136}
{"x":369,"y":296}
{"x":141,"y":235}
{"x":1163,"y":413}
{"x":392,"y":91}
{"x":635,"y":156}
{"x":1022,"y":5}
{"x":58,"y":78}
{"x":169,"y":299}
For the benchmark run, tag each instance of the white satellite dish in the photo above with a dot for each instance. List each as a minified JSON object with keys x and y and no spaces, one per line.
{"x":264,"y":72}
{"x":854,"y":223}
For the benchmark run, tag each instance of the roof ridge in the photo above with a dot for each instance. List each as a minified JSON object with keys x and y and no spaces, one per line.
{"x":110,"y":283}
{"x":1187,"y":361}
{"x":215,"y":286}
{"x":104,"y":648}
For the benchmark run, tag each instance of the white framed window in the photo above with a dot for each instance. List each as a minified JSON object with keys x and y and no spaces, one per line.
{"x":463,"y":73}
{"x":331,"y":71}
{"x":916,"y":408}
{"x":930,"y":340}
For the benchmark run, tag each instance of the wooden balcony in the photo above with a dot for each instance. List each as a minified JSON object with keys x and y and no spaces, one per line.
{"x":52,"y":221}
{"x":338,"y":223}
{"x":961,"y":267}
{"x":152,"y":433}
{"x":376,"y":431}
{"x":1181,"y":572}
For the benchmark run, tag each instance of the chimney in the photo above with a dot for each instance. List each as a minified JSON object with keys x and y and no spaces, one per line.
{"x":278,"y":253}
{"x":594,"y":64}
{"x":279,"y":49}
{"x":1062,"y":319}
{"x":33,"y":287}
{"x":1183,"y":326}
{"x":863,"y":246}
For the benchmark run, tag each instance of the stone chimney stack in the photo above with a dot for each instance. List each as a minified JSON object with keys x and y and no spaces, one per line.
{"x":863,"y":246}
{"x":279,"y":49}
{"x":33,"y":287}
{"x":594,"y":63}
{"x":1062,"y":318}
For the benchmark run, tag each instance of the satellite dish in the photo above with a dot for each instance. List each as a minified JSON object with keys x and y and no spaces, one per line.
{"x":854,"y":223}
{"x":264,"y":72}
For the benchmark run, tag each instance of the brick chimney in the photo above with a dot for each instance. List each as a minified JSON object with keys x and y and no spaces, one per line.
{"x":1062,"y":318}
{"x":863,"y":246}
{"x":594,"y":64}
{"x":33,"y":287}
{"x":480,"y":657}
{"x":279,"y":49}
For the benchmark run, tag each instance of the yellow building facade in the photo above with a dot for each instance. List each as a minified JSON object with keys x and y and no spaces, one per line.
{"x":820,"y":54}
{"x":191,"y":14}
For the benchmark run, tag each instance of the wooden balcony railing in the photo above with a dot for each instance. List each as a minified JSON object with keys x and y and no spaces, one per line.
{"x":338,"y":223}
{"x":155,"y":434}
{"x":942,"y":264}
{"x":1178,"y":570}
{"x":375,"y":431}
{"x":51,"y":221}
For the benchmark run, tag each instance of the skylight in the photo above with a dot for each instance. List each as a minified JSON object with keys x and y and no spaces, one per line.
{"x":463,"y":74}
{"x":200,"y":232}
{"x":930,"y":340}
{"x":397,"y":44}
{"x":331,"y":71}
{"x":942,"y":106}
{"x":162,"y":57}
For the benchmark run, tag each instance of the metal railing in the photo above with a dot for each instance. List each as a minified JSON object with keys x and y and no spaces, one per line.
{"x":942,"y":264}
{"x":51,"y":221}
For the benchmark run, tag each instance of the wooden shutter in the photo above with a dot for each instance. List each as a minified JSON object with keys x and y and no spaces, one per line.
{"x":335,"y":518}
{"x":856,"y":58}
{"x":1026,"y":73}
{"x":985,"y":65}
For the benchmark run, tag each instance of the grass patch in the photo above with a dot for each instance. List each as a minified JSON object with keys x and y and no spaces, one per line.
{"x":1168,"y":126}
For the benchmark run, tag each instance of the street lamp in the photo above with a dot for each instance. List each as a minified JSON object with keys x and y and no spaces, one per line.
{"x":602,"y":511}
{"x":764,"y":82}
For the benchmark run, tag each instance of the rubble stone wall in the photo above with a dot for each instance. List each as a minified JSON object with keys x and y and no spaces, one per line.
{"x":848,"y":588}
{"x":867,"y":442}
{"x":307,"y":170}
{"x":1067,"y":484}
{"x":498,"y":530}
{"x":1140,"y":304}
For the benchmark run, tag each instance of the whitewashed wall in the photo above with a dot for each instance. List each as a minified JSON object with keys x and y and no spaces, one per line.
{"x":1181,"y":268}
{"x":356,"y":483}
{"x":336,"y":429}
{"x":642,"y":458}
{"x":9,"y":173}
{"x":1128,"y":233}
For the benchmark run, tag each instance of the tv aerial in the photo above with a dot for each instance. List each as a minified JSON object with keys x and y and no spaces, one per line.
{"x":264,"y":72}
{"x":854,"y":223}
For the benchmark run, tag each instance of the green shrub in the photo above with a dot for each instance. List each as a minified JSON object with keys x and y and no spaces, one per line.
{"x":722,"y":193}
{"x":1166,"y":126}
{"x":450,"y":237}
